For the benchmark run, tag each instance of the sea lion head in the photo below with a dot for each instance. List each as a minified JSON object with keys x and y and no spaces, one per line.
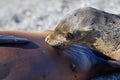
{"x":75,"y":27}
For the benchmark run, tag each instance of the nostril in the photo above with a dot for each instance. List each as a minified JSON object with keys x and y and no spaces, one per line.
{"x":58,"y":45}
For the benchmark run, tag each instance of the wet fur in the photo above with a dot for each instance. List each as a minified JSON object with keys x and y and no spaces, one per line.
{"x":39,"y":61}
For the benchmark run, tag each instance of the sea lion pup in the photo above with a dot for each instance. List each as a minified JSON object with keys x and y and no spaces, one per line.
{"x":38,"y":61}
{"x":95,"y":28}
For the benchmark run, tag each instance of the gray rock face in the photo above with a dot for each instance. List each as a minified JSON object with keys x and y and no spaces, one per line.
{"x":38,"y":15}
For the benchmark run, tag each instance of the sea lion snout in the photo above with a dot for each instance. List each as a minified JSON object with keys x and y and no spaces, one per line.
{"x":54,"y":42}
{"x":61,"y":40}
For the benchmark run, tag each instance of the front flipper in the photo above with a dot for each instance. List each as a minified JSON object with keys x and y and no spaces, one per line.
{"x":9,"y":39}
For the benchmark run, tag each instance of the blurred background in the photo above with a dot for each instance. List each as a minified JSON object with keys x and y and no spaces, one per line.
{"x":38,"y":15}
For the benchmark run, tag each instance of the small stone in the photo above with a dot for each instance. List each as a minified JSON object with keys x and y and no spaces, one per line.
{"x":17,"y":18}
{"x":27,"y":12}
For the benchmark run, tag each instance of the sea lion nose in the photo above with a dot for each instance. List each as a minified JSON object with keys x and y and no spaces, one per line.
{"x":60,"y":45}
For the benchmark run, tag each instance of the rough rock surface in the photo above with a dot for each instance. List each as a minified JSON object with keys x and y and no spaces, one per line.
{"x":38,"y":15}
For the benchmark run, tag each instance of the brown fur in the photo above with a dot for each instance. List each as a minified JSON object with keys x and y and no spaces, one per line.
{"x":39,"y":61}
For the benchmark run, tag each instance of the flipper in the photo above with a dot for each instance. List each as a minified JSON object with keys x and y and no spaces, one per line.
{"x":9,"y":39}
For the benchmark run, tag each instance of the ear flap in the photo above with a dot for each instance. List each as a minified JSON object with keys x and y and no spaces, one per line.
{"x":90,"y":24}
{"x":87,"y":28}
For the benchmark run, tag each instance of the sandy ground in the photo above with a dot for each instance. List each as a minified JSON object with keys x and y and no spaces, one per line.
{"x":38,"y":15}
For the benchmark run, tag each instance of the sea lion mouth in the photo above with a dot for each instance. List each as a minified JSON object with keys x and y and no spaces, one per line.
{"x":55,"y":42}
{"x":63,"y":45}
{"x":60,"y":45}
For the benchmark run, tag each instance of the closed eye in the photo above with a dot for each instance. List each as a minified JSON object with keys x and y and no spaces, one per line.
{"x":69,"y":36}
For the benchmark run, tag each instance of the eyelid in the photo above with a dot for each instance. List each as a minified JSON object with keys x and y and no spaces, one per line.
{"x":69,"y":36}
